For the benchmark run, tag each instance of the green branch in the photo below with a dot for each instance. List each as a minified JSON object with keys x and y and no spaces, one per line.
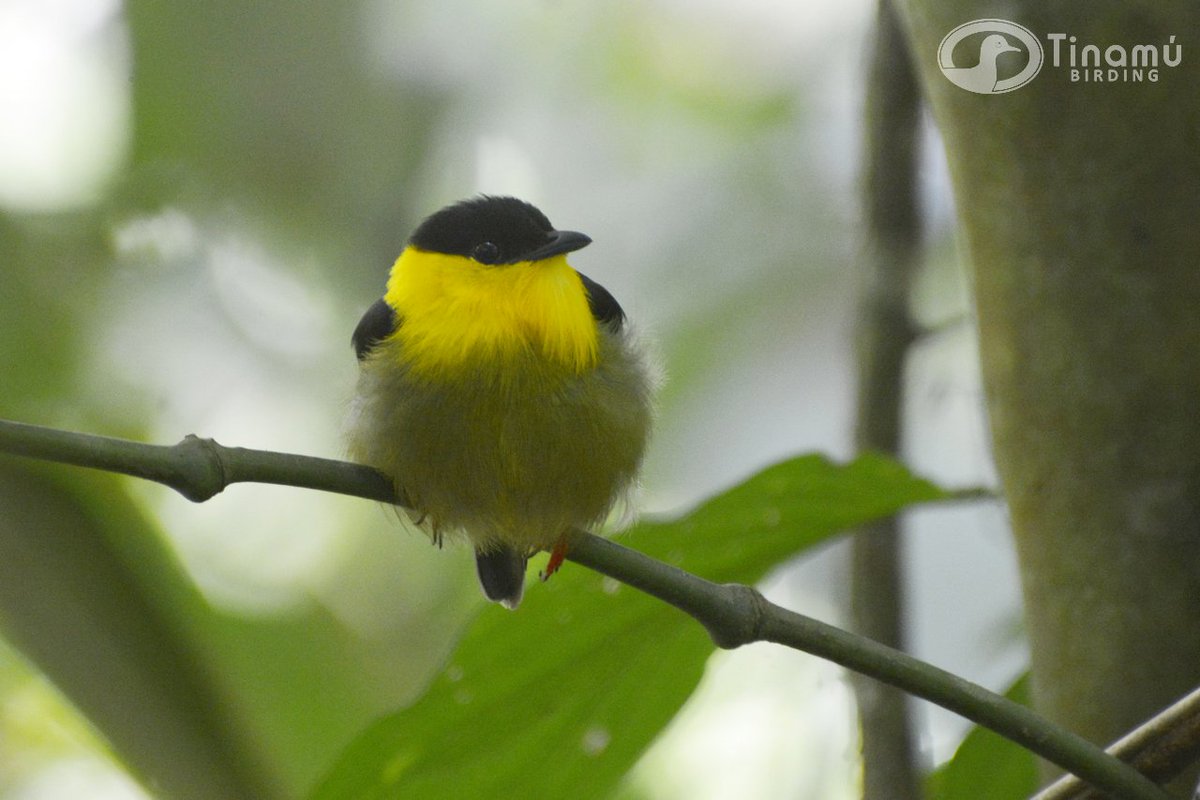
{"x":1163,"y":747}
{"x":196,"y":468}
{"x":733,"y":614}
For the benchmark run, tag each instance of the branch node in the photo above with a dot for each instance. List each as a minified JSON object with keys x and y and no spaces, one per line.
{"x":740,"y":621}
{"x":201,"y":469}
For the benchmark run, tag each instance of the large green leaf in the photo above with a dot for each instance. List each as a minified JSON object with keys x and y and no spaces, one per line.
{"x":560,"y":698}
{"x":987,"y":766}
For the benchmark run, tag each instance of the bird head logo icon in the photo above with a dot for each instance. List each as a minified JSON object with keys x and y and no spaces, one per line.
{"x":978,"y":64}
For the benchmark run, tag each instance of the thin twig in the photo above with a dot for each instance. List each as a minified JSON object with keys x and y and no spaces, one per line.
{"x":733,"y":614}
{"x":1162,"y":748}
{"x":196,"y":468}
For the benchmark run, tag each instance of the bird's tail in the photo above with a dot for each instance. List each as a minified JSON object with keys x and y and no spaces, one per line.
{"x":502,"y":574}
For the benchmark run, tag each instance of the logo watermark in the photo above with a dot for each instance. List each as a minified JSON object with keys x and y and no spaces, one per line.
{"x":1120,"y":64}
{"x":994,"y":56}
{"x":989,"y":39}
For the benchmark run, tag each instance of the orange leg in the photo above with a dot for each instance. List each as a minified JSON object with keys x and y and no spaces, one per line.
{"x":557,"y":556}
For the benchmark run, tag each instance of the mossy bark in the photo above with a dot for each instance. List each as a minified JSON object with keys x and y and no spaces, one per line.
{"x":1079,"y":206}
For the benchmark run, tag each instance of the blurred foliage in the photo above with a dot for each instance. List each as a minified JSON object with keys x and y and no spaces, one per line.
{"x":72,"y":600}
{"x":52,"y":267}
{"x":280,"y":152}
{"x":561,"y":698}
{"x":273,"y":106}
{"x":37,"y":725}
{"x":266,"y":108}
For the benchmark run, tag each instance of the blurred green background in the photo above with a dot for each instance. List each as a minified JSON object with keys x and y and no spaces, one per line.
{"x":198,"y":200}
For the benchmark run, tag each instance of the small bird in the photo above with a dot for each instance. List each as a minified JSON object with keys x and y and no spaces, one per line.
{"x":500,"y":389}
{"x":982,"y":77}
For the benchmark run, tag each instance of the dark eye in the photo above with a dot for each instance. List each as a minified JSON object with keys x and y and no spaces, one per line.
{"x":486,"y":253}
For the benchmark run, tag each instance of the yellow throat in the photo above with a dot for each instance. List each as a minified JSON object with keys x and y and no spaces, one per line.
{"x":456,"y":311}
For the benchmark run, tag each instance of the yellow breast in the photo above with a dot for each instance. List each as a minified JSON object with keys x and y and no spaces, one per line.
{"x":456,"y":311}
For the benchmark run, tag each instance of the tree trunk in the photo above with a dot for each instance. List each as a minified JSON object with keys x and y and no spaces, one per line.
{"x":892,"y":221}
{"x":1079,"y":205}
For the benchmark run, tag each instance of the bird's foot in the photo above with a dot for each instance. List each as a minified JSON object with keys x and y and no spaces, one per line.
{"x":557,"y":556}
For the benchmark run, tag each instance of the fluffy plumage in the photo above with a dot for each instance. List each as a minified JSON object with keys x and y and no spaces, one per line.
{"x":505,"y":395}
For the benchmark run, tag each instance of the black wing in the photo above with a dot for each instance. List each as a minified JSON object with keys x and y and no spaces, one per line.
{"x":604,"y":306}
{"x":377,"y":324}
